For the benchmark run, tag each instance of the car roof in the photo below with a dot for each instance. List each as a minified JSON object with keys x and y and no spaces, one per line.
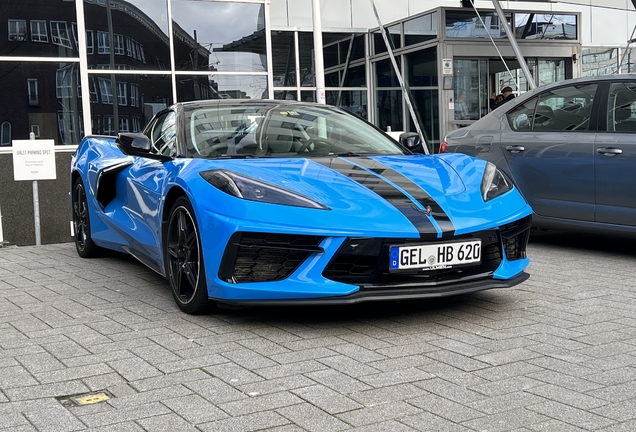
{"x":610,"y":77}
{"x":214,"y":103}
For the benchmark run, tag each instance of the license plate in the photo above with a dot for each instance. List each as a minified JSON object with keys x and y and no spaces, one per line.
{"x":434,"y":256}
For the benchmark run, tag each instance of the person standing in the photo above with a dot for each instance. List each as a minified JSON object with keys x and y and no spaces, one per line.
{"x":506,"y":94}
{"x":461,"y":109}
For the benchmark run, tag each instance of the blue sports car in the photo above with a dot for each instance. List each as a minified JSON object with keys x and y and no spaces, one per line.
{"x":244,"y":202}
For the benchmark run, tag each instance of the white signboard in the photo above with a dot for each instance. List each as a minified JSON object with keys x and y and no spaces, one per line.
{"x":447,"y":66}
{"x":33,"y":160}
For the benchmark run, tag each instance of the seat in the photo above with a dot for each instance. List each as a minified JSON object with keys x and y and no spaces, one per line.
{"x":279,"y":140}
{"x":542,"y":116}
{"x":622,"y":112}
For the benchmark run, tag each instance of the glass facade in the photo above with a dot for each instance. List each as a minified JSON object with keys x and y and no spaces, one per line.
{"x":467,"y":24}
{"x":545,"y":26}
{"x":106,"y":66}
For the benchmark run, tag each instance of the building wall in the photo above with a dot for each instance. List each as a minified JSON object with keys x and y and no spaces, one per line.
{"x":597,"y":16}
{"x":16,"y":204}
{"x":203,"y":64}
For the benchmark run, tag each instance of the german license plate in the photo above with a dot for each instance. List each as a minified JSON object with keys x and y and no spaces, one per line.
{"x":434,"y":256}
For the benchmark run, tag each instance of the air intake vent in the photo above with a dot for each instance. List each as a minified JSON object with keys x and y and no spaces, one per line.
{"x":263,"y":257}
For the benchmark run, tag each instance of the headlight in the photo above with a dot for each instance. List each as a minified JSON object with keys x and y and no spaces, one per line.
{"x":242,"y":186}
{"x":494,"y":183}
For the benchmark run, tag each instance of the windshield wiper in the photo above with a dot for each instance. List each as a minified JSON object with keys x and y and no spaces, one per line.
{"x":241,"y":156}
{"x":345,"y":154}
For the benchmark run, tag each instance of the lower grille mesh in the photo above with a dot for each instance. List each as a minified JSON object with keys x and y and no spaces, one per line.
{"x":364,"y":262}
{"x":263,"y":257}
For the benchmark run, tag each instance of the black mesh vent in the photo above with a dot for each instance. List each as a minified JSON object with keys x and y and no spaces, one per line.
{"x":365,"y":262}
{"x":261,"y":257}
{"x":515,"y":238}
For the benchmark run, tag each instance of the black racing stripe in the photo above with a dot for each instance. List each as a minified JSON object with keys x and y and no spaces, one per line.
{"x":442,"y":219}
{"x":387,"y":191}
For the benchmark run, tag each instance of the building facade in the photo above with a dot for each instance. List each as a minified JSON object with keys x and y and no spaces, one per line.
{"x":69,"y":68}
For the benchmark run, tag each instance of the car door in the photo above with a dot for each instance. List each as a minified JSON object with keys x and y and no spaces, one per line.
{"x":615,"y":157}
{"x":145,"y":190}
{"x":549,"y":146}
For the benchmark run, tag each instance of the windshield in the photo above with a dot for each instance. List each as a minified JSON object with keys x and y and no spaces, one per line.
{"x":285,"y":130}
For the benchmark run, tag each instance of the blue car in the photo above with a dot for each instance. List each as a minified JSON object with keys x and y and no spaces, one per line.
{"x":254,"y":202}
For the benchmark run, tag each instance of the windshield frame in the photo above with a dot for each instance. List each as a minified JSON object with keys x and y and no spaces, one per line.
{"x":264,"y":128}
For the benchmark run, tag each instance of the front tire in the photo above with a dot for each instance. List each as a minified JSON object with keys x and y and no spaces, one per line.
{"x":86,"y":247}
{"x":184,"y":260}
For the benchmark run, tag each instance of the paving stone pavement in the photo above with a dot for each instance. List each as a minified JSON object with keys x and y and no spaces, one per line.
{"x":556,"y":353}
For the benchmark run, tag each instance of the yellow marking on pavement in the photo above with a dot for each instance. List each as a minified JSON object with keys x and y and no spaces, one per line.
{"x":90,"y":399}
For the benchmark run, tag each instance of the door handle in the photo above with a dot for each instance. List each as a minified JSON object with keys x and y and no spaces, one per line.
{"x":515,"y":148}
{"x":608,"y":151}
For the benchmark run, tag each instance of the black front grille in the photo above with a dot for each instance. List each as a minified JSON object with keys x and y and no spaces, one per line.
{"x":515,"y":237}
{"x":262,"y":257}
{"x":365,"y":262}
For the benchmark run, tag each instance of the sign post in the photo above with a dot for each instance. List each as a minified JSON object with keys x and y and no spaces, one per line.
{"x":1,"y":238}
{"x":34,"y":160}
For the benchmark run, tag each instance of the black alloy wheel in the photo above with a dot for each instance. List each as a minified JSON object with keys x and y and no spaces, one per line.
{"x":84,"y":244}
{"x":184,"y":260}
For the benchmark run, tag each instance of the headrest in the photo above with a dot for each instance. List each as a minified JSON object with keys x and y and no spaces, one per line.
{"x":279,"y":139}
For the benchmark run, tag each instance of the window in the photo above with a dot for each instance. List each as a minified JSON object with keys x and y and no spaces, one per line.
{"x":103,"y":43}
{"x":122,"y":97}
{"x":107,"y":93}
{"x":466,"y":24}
{"x":59,"y":34}
{"x":140,"y":52}
{"x":163,"y":133}
{"x":134,"y":95}
{"x":118,"y":42}
{"x":96,"y":125}
{"x":74,"y":33}
{"x":64,"y":82}
{"x":67,"y":122}
{"x":5,"y":134}
{"x":17,"y":30}
{"x":136,"y":124}
{"x":129,"y":48}
{"x":90,"y":44}
{"x":38,"y":31}
{"x":560,"y":109}
{"x":32,"y":89}
{"x":545,"y":26}
{"x":123,"y":124}
{"x":420,"y":29}
{"x":621,"y":116}
{"x":36,"y":130}
{"x":93,"y":90}
{"x":109,"y":125}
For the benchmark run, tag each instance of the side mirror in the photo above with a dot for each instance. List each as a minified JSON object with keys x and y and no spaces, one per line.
{"x":412,"y":141}
{"x":134,"y":143}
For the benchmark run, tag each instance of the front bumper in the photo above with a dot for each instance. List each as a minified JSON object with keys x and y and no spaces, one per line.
{"x":388,"y":294}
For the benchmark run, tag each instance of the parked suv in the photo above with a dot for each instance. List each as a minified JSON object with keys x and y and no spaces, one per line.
{"x":570,"y":147}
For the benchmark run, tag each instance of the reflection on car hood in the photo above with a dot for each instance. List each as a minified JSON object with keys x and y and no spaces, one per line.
{"x":436,"y":193}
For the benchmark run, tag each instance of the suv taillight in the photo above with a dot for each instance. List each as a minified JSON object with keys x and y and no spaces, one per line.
{"x":442,"y":147}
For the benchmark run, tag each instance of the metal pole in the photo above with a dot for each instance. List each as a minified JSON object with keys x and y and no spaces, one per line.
{"x":625,"y":51}
{"x":36,"y":205}
{"x":398,"y":73}
{"x":1,"y":237}
{"x":515,"y":46}
{"x":319,"y":66}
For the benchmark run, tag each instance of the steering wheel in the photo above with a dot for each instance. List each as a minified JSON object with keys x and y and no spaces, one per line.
{"x":311,"y":141}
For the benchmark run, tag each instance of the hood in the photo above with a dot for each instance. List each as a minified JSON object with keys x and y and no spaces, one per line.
{"x":413,"y":194}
